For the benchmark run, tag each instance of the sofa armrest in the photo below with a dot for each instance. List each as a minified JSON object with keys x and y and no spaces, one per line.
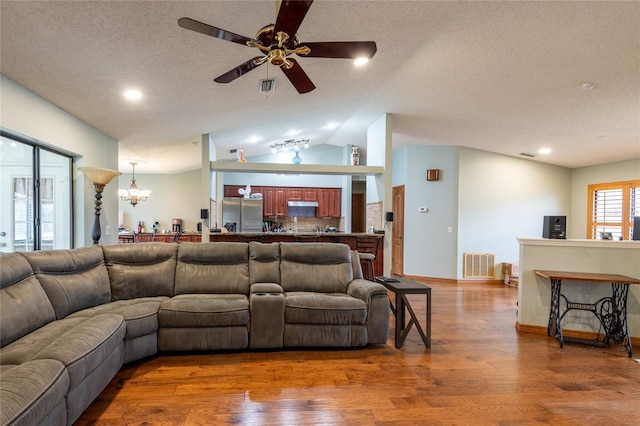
{"x":266,"y":288}
{"x":365,"y":290}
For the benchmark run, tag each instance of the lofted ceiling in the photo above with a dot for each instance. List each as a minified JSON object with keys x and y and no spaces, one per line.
{"x":504,"y":77}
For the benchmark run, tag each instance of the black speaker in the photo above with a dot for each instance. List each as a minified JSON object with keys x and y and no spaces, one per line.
{"x":636,"y":228}
{"x":389,"y":216}
{"x":555,"y":227}
{"x":204,"y":214}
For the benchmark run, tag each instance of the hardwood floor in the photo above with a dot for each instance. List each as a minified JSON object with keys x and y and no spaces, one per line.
{"x":479,"y":371}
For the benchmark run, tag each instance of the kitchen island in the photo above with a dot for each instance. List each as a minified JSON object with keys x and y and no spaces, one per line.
{"x":351,"y":239}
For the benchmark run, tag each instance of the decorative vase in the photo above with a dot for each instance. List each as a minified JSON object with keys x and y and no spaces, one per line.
{"x":355,"y":157}
{"x":297,"y":159}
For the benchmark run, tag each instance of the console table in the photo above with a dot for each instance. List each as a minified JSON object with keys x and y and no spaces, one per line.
{"x":611,"y":311}
{"x":401,"y":287}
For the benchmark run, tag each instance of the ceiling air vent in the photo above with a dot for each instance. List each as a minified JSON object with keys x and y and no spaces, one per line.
{"x":525,"y":154}
{"x":267,"y":85}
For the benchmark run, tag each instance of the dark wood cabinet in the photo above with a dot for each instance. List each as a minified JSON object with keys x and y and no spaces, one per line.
{"x":232,"y":190}
{"x":268,"y":201}
{"x":294,"y":194}
{"x":310,"y":194}
{"x":275,"y":198}
{"x":329,"y":202}
{"x":281,"y":202}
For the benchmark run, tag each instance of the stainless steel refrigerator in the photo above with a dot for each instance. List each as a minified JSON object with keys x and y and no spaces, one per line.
{"x":242,"y":214}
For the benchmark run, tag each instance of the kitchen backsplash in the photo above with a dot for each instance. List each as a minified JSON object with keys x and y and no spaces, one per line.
{"x":310,"y":224}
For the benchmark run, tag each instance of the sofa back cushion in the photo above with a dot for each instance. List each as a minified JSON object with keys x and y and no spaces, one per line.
{"x":264,"y":263}
{"x":73,"y":279}
{"x":318,"y":267}
{"x":213,"y":268}
{"x":141,"y":269}
{"x":24,"y":305}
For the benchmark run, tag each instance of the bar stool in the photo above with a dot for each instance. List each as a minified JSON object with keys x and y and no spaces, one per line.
{"x":367,"y":248}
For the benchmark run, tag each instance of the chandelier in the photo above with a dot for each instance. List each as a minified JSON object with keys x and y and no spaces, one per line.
{"x":133,"y":194}
{"x":284,"y":146}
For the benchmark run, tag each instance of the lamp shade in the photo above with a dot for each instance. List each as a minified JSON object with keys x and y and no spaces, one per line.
{"x":98,"y":175}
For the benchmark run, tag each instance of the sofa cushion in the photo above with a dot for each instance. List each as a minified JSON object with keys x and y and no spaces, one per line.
{"x":141,"y":270}
{"x":24,"y":305}
{"x":318,"y":267}
{"x":81,"y":344}
{"x":73,"y":279}
{"x":29,"y":392}
{"x":264,"y":263}
{"x":205,"y":310}
{"x":212,"y":268}
{"x":324,"y":309}
{"x":141,"y":315}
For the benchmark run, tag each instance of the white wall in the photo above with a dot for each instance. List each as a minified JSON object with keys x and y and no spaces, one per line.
{"x":488,"y":199}
{"x":502,"y":198}
{"x":30,"y":115}
{"x":581,"y":178}
{"x":172,"y":196}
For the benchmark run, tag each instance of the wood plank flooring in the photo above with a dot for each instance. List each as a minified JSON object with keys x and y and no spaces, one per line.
{"x":479,"y":371}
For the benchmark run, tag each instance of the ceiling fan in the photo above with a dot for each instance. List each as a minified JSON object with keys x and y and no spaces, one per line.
{"x":280,"y":40}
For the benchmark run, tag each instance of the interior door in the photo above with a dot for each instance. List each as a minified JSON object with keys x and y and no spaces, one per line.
{"x":358,"y":212}
{"x":397,"y":231}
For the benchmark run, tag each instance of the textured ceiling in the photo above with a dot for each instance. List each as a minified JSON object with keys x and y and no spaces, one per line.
{"x":498,"y":76}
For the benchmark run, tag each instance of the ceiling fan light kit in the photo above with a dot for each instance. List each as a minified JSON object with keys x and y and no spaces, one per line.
{"x":277,"y":42}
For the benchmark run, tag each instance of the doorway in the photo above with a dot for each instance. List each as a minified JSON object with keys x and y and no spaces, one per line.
{"x":358,"y":207}
{"x":397,"y":231}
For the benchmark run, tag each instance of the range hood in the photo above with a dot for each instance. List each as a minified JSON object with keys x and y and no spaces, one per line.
{"x":302,"y":204}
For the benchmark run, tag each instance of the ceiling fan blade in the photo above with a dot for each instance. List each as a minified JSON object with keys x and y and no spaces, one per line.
{"x":290,"y":16}
{"x":298,"y":77}
{"x":239,"y":71}
{"x":341,"y":49}
{"x":212,"y":31}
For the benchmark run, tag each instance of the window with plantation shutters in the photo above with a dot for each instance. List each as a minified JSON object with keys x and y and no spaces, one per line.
{"x":612,"y":207}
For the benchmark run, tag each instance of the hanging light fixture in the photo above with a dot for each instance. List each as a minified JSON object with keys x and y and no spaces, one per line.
{"x":291,"y":143}
{"x":133,"y":194}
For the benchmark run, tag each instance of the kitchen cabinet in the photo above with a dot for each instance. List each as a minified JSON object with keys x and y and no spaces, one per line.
{"x":329,"y":202}
{"x":294,"y":194}
{"x":309,"y":194}
{"x":274,"y":201}
{"x":232,"y":190}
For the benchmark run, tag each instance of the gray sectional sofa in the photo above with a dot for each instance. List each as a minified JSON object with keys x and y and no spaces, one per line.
{"x":69,"y":319}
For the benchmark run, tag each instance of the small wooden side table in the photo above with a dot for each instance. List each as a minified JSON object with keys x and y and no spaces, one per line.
{"x":401,"y":287}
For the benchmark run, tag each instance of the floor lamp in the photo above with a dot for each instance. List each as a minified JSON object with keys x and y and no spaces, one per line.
{"x":99,"y":177}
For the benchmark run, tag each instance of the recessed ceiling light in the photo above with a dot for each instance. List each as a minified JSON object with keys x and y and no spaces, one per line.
{"x":360,"y":61}
{"x":544,"y":151}
{"x":332,"y":125}
{"x":293,"y":132}
{"x":588,"y":86}
{"x":133,"y":95}
{"x":253,"y":139}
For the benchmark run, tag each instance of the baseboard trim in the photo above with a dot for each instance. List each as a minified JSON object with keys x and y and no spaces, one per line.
{"x":450,"y":280}
{"x":589,"y":335}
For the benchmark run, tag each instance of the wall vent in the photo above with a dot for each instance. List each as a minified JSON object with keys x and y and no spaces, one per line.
{"x":479,"y":265}
{"x":526,"y":154}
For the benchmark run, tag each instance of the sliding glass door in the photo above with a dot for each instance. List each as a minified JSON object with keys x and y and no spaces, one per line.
{"x":36,"y":197}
